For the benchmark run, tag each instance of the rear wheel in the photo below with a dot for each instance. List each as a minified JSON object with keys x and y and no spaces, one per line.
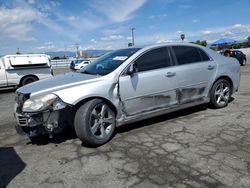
{"x":95,"y":122}
{"x":220,"y":94}
{"x":28,"y":80}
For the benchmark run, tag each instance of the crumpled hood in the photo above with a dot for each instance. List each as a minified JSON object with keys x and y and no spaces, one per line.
{"x":57,"y":82}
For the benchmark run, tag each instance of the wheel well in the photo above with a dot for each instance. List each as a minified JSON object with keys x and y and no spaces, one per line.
{"x":72,"y":111}
{"x":79,"y":104}
{"x":228,"y":79}
{"x":33,"y":76}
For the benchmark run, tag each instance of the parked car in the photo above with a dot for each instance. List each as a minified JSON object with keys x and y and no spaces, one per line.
{"x":79,"y":63}
{"x":19,"y":70}
{"x":239,"y":55}
{"x":124,"y":86}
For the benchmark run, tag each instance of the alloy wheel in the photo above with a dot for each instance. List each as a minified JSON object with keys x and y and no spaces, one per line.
{"x":101,"y":121}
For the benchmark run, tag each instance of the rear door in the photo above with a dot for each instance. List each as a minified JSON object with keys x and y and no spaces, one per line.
{"x":195,"y":72}
{"x":153,"y":87}
{"x":3,"y":80}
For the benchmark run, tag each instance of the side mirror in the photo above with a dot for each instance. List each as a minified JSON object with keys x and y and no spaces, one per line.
{"x":132,"y":69}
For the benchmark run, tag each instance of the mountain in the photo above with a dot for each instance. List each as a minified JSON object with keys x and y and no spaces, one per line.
{"x":96,"y":52}
{"x":61,"y":54}
{"x":73,"y":54}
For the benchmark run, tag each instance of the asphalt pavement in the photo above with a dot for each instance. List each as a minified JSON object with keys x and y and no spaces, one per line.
{"x":196,"y":147}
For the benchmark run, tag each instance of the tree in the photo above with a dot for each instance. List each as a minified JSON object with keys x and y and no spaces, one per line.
{"x":202,"y":43}
{"x":248,"y":38}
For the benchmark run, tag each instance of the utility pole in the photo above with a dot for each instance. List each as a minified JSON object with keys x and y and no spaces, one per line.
{"x":18,"y":51}
{"x":77,"y":50}
{"x":133,"y":37}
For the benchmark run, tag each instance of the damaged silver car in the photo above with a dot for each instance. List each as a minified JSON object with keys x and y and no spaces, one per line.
{"x":125,"y":86}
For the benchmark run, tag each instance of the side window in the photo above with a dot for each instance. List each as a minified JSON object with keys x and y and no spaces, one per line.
{"x":204,"y":56}
{"x":186,"y":54}
{"x":154,"y":59}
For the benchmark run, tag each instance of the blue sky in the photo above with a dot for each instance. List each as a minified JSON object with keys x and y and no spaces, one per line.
{"x":53,"y":25}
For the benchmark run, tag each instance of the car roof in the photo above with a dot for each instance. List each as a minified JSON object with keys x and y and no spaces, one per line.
{"x":167,"y":44}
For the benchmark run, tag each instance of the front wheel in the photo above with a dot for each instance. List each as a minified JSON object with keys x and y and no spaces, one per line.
{"x":95,"y":122}
{"x":220,"y":94}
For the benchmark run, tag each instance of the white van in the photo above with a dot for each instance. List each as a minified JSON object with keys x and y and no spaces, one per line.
{"x":19,"y":70}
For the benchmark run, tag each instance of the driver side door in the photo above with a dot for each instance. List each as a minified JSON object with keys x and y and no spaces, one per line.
{"x":153,"y":87}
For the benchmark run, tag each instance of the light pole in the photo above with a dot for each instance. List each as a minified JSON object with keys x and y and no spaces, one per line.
{"x":77,"y":50}
{"x":133,"y":37}
{"x":18,"y":51}
{"x":182,"y":37}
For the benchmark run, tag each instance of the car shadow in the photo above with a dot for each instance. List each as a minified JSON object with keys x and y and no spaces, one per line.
{"x":7,"y":90}
{"x":10,"y":165}
{"x":67,"y":134}
{"x":231,"y":99}
{"x":70,"y":134}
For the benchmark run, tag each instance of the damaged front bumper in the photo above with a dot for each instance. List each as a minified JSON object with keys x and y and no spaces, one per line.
{"x":50,"y":121}
{"x":34,"y":124}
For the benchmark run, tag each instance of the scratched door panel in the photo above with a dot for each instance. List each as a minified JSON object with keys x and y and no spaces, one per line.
{"x":147,"y":91}
{"x":194,"y":80}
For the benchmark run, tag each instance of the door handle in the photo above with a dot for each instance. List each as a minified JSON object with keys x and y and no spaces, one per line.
{"x":210,"y":67}
{"x":170,"y":74}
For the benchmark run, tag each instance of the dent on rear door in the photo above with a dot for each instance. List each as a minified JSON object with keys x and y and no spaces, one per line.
{"x":194,"y":81}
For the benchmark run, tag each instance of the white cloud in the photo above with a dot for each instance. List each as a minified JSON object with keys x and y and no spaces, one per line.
{"x":117,"y":10}
{"x":55,"y":3}
{"x":227,"y":33}
{"x":93,"y":41}
{"x":179,"y":32}
{"x":112,"y":38}
{"x":207,"y":32}
{"x":129,"y":38}
{"x":164,"y":40}
{"x":158,"y":16}
{"x":185,"y":6}
{"x":31,"y":1}
{"x":16,"y":23}
{"x":47,"y":46}
{"x":195,"y":21}
{"x":238,"y":26}
{"x":73,"y":18}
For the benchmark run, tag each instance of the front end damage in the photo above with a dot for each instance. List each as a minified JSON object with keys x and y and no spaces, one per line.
{"x":51,"y":120}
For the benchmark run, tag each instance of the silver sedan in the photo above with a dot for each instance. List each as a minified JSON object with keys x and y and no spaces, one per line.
{"x":125,"y":86}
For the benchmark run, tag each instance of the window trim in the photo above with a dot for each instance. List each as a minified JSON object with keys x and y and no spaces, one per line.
{"x":172,"y":63}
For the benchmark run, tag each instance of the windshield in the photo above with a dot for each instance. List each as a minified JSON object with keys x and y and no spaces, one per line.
{"x":78,"y":61}
{"x":109,"y":62}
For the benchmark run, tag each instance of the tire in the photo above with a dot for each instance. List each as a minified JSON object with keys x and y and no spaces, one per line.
{"x":220,"y":94}
{"x":28,"y":80}
{"x":94,"y":123}
{"x":242,"y":63}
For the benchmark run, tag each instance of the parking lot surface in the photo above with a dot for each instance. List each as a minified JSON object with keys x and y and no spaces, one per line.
{"x":196,"y":147}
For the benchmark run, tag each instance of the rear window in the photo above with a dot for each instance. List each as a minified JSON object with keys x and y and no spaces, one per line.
{"x":187,"y":54}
